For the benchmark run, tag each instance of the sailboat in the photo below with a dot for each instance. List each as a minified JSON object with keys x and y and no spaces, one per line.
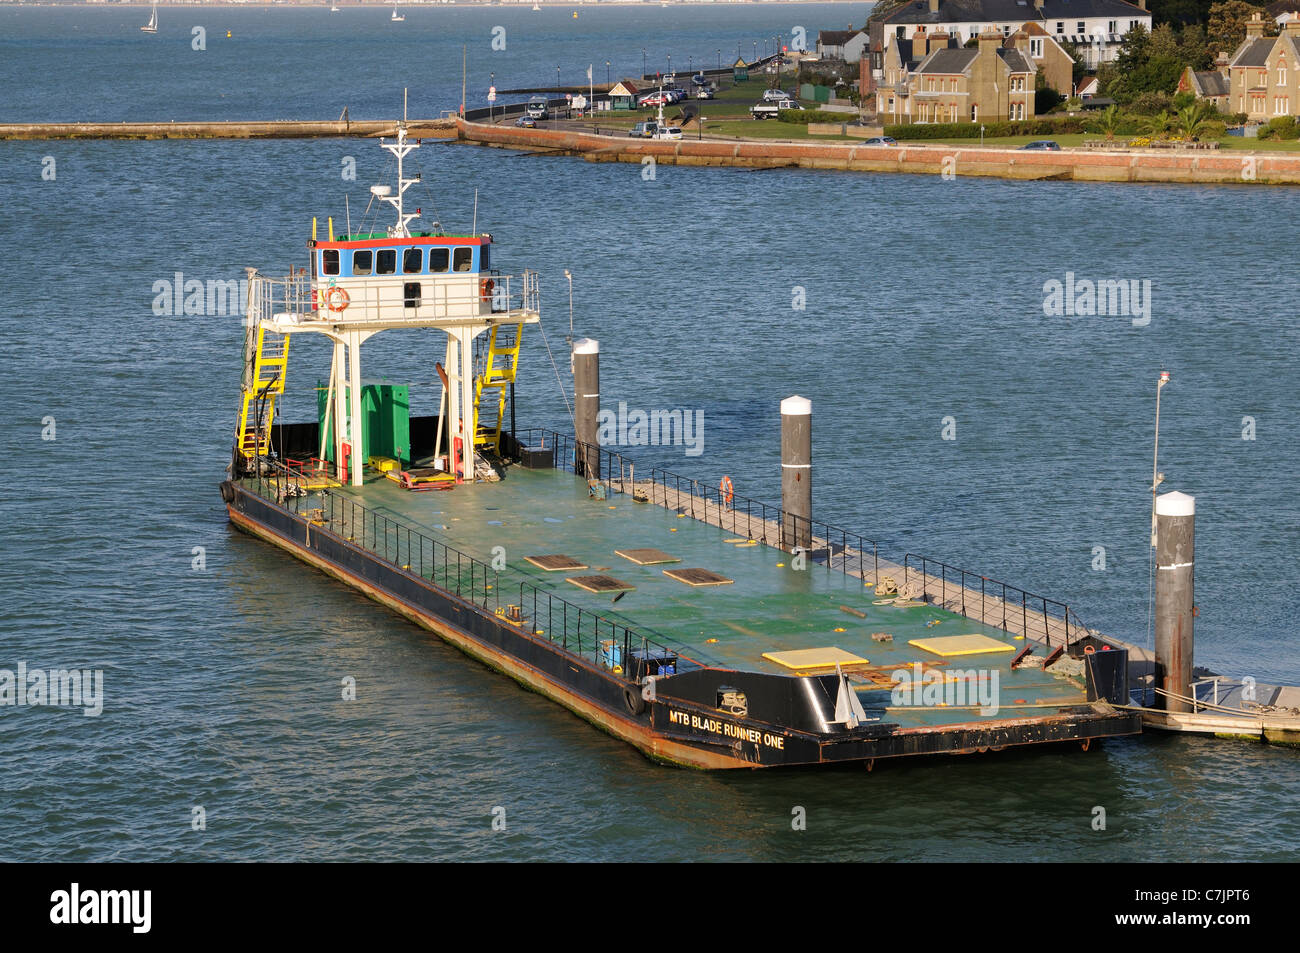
{"x":152,"y":25}
{"x":396,"y":18}
{"x":536,"y":7}
{"x":334,"y":8}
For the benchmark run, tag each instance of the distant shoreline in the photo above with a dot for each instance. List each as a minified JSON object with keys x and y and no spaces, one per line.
{"x":359,"y":4}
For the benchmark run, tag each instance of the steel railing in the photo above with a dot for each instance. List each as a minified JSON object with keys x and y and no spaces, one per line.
{"x":384,"y":299}
{"x":1004,"y":606}
{"x":971,"y":594}
{"x":575,"y":630}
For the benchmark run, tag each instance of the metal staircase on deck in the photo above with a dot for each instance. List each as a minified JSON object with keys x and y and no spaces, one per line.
{"x":499,"y":363}
{"x":269,"y":362}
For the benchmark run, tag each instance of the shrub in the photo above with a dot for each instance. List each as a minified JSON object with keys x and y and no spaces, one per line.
{"x":804,"y":116}
{"x":992,"y":130}
{"x":1283,"y":127}
{"x":1151,"y":104}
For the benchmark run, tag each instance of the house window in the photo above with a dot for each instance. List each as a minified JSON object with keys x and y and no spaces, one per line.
{"x":1279,"y":106}
{"x":361,"y":261}
{"x":974,"y":114}
{"x":1281,"y":75}
{"x":891,"y":104}
{"x":1082,"y":28}
{"x":386,"y":261}
{"x":1036,"y":48}
{"x":1112,"y":26}
{"x":1060,"y":27}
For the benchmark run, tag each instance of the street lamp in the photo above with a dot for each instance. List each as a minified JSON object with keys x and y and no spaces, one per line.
{"x":1156,"y":476}
{"x":492,"y":85}
{"x":643,"y":62}
{"x":719,"y":61}
{"x":606,"y":72}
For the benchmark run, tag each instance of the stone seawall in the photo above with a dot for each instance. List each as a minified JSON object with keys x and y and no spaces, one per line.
{"x":1092,"y":166}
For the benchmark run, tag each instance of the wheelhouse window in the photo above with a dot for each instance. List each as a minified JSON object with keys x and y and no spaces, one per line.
{"x":361,"y":262}
{"x":386,"y":261}
{"x":412,"y":261}
{"x":329,"y":261}
{"x":463,"y":259}
{"x":438,"y":258}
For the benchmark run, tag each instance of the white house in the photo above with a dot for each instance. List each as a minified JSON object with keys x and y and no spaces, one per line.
{"x":1097,"y":27}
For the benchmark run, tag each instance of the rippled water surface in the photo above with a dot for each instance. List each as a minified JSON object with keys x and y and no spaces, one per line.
{"x":924,"y":301}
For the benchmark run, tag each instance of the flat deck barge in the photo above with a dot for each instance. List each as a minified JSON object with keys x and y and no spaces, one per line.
{"x":580,"y":595}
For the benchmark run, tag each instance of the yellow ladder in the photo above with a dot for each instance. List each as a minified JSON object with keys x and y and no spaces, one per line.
{"x":270,"y":362}
{"x":498,"y":374}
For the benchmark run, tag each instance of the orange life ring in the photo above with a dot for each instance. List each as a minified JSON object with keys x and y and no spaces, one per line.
{"x":727,"y":491}
{"x":486,"y":287}
{"x":332,"y":299}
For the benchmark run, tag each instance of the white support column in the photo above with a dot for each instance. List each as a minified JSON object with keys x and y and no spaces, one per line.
{"x":452,"y":367}
{"x":354,"y":405}
{"x":340,"y":413}
{"x":467,"y":399}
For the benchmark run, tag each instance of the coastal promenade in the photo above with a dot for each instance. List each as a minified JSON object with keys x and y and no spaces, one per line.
{"x":269,"y":129}
{"x":1093,"y":165}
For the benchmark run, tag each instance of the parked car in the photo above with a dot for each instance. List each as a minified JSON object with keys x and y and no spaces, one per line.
{"x":528,"y":122}
{"x":644,"y":130}
{"x":654,"y":99}
{"x":771,"y":109}
{"x":675,"y":95}
{"x":699,"y":79}
{"x":880,"y":141}
{"x":669,"y":132}
{"x":775,"y":95}
{"x":1042,"y":145}
{"x":704,"y":92}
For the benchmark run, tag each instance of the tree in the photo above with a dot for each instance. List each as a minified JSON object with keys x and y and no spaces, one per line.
{"x":1192,"y":119}
{"x":1107,"y":123}
{"x":1159,"y":124}
{"x":1226,"y":24}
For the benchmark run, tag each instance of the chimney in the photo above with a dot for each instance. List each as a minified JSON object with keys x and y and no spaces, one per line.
{"x":1292,"y":26}
{"x":1254,"y":26}
{"x":934,"y":6}
{"x":989,"y":42}
{"x":1142,"y":4}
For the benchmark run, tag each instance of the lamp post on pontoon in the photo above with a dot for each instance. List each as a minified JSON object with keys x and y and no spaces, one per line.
{"x":1156,"y":476}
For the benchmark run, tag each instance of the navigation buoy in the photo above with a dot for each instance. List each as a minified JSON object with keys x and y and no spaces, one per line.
{"x":227,"y":34}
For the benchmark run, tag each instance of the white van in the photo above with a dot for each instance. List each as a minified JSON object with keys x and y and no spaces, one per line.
{"x":536,"y":108}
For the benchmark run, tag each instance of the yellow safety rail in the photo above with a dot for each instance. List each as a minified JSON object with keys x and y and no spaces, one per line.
{"x":498,"y":374}
{"x":260,"y":390}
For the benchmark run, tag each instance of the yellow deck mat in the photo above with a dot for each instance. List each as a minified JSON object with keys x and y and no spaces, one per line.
{"x":951,"y":645}
{"x":814,"y":658}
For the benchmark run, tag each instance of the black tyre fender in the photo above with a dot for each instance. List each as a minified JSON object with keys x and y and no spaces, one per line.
{"x":632,"y":698}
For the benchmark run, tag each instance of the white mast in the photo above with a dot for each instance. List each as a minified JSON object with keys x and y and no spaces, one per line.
{"x":400,"y":149}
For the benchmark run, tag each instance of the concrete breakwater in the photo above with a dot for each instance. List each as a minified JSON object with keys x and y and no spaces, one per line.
{"x":1172,"y":166}
{"x":269,"y":129}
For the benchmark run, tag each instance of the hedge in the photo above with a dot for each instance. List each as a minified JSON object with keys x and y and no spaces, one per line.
{"x":992,"y":130}
{"x":804,"y":116}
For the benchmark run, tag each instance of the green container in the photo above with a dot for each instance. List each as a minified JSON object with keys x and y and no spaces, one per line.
{"x":385,"y":420}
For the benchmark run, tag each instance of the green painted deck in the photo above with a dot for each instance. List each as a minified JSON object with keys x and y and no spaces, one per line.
{"x":770,"y":606}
